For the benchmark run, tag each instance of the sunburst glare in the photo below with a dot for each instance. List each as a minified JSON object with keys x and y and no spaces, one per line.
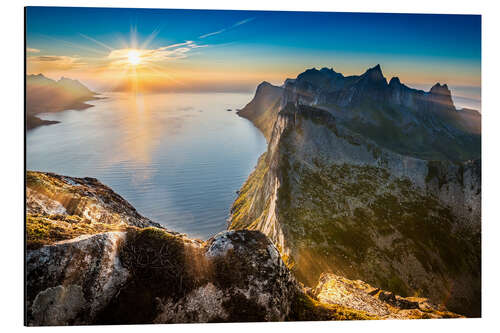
{"x":134,"y":57}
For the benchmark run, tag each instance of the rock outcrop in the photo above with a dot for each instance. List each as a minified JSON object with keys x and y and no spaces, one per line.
{"x":60,"y":207}
{"x":78,"y":272}
{"x":152,"y":276}
{"x":69,"y":282}
{"x":359,"y":295}
{"x":356,"y":182}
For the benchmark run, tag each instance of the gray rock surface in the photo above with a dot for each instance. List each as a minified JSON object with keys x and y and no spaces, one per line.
{"x":359,"y":295}
{"x":109,"y":278}
{"x":70,"y":281}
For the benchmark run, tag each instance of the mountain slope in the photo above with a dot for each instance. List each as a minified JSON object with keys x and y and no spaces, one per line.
{"x":336,"y":198}
{"x":93,"y":259}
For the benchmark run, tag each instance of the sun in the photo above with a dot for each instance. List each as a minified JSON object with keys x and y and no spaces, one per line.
{"x":134,"y":58}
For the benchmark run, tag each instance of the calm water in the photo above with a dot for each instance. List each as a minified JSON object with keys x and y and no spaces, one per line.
{"x":178,"y":158}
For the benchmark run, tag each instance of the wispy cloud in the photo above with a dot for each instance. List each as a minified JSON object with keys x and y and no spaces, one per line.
{"x":96,"y":41}
{"x":32,"y":50}
{"x":229,"y":28}
{"x":212,"y":33}
{"x":52,"y":62}
{"x":188,"y":43}
{"x":119,"y":57}
{"x":243,"y":21}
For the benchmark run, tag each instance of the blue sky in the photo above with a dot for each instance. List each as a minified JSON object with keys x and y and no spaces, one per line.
{"x":254,"y":46}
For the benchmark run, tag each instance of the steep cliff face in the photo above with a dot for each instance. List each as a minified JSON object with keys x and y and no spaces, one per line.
{"x":335,"y":198}
{"x":263,"y":108}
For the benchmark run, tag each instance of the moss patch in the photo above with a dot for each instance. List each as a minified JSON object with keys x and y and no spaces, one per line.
{"x":353,"y":220}
{"x":304,"y":308}
{"x":47,"y":229}
{"x":246,"y":209}
{"x":163,"y":266}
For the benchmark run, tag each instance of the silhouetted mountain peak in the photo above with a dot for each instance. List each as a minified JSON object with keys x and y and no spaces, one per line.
{"x":310,"y":70}
{"x":327,"y":70}
{"x":39,"y":79}
{"x":263,"y":84}
{"x":441,"y":95}
{"x":63,"y":79}
{"x":36,"y":76}
{"x":439,"y":89}
{"x":374,"y":74}
{"x":395,"y":82}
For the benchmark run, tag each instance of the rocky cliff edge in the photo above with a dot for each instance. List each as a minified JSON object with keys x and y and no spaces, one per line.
{"x":93,"y":259}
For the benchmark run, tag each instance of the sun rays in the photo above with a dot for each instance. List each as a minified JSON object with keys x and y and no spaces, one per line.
{"x":131,"y":64}
{"x":129,"y":61}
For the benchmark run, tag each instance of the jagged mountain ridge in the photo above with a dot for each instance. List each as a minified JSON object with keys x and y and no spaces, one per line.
{"x":409,"y":121}
{"x":334,"y":198}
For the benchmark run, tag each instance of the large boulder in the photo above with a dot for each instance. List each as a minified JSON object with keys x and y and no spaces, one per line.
{"x":152,"y":276}
{"x":70,"y":281}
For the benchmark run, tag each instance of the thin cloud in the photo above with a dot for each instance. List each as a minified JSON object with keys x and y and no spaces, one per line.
{"x":186,"y":43}
{"x":47,"y":58}
{"x":32,"y":50}
{"x":250,"y":19}
{"x":243,"y":21}
{"x":51,"y":62}
{"x":212,"y":33}
{"x":148,"y":56}
{"x":96,"y":41}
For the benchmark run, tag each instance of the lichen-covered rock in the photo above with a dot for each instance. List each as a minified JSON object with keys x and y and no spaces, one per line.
{"x":359,"y":295}
{"x":58,"y":305}
{"x":49,"y":193}
{"x":70,"y":281}
{"x":152,"y":276}
{"x":61,"y":207}
{"x":202,"y":305}
{"x":248,"y":268}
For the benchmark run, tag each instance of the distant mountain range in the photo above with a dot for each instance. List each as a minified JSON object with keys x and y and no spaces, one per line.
{"x":370,"y":180}
{"x":47,"y":95}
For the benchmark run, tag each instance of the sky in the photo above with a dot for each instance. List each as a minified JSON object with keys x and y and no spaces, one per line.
{"x":112,"y":49}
